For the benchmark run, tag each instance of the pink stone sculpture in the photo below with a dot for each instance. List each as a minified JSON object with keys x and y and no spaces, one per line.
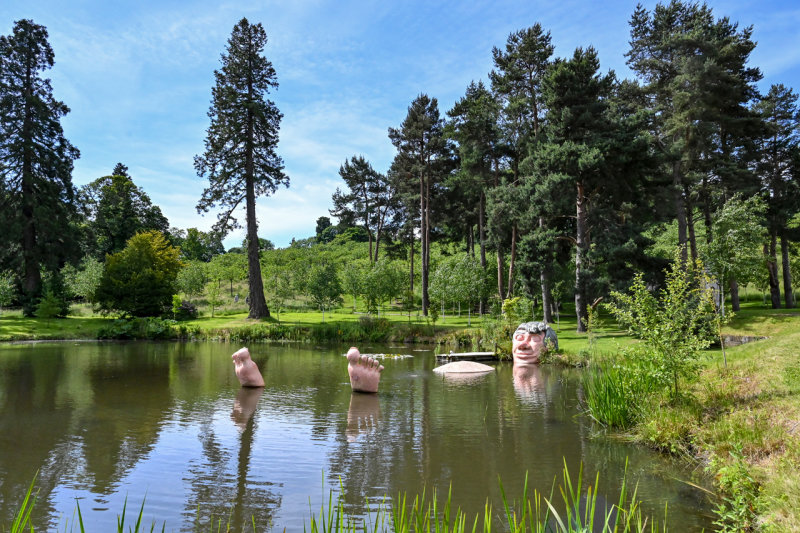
{"x":246,"y":369}
{"x":364,"y":371}
{"x":463,"y":367}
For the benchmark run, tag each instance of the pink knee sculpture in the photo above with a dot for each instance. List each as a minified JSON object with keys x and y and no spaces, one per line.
{"x":246,"y":369}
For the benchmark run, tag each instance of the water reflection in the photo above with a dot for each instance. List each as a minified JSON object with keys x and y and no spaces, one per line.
{"x":363,"y":415}
{"x":103,"y":422}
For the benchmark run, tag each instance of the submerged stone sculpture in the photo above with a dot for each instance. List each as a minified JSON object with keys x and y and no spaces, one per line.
{"x":364,"y":371}
{"x":463,"y":367}
{"x":246,"y":369}
{"x":530,"y":340}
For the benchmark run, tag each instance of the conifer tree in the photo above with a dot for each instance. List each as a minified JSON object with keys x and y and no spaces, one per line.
{"x":695,"y":74}
{"x":370,"y":199}
{"x":779,"y":149}
{"x":517,"y":84}
{"x":474,"y":125}
{"x":240,"y":160}
{"x":420,"y":140}
{"x":574,"y":153}
{"x":36,"y":191}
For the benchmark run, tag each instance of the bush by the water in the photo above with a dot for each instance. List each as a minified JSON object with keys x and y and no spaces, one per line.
{"x":147,"y":329}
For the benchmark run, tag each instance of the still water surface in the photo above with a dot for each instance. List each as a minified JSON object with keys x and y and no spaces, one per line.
{"x":168,"y":422}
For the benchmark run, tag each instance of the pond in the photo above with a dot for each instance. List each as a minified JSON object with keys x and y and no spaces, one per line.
{"x":169,"y":423}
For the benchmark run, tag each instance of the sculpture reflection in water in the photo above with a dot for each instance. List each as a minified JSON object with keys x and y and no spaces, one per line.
{"x":363,"y":415}
{"x":251,"y":500}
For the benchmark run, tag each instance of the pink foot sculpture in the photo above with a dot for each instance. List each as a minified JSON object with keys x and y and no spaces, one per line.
{"x":246,"y":369}
{"x":365,"y":371}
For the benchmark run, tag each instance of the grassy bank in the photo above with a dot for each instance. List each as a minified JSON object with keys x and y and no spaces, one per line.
{"x":741,"y":422}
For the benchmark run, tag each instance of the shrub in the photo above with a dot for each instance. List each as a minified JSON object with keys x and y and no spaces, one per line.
{"x":185,"y":311}
{"x":676,"y":326}
{"x":140,"y":280}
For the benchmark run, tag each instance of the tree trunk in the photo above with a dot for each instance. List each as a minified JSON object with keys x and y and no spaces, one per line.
{"x":423,"y":221}
{"x":772,"y":268}
{"x":680,"y":208}
{"x":411,"y":259}
{"x":690,"y":223}
{"x":788,"y":293}
{"x":510,"y":290}
{"x":581,"y":309}
{"x":734,"y":286}
{"x":258,"y":303}
{"x":547,"y":296}
{"x":32,"y":278}
{"x":500,"y":272}
{"x":482,"y":237}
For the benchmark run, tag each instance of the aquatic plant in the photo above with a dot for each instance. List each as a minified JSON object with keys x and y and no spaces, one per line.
{"x":577,"y":511}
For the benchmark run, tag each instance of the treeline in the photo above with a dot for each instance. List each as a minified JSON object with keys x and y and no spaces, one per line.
{"x":573,"y":176}
{"x":553,"y":178}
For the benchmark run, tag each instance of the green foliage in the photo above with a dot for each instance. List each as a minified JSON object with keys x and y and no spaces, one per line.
{"x":141,"y":279}
{"x":49,"y":306}
{"x":531,"y":513}
{"x":213,"y":295}
{"x":192,"y":278}
{"x":380,"y":282}
{"x":458,"y":279}
{"x":148,"y":328}
{"x":324,"y":287}
{"x":737,"y":510}
{"x":240,"y":158}
{"x":39,"y":215}
{"x":675,"y":327}
{"x":22,"y":519}
{"x":240,"y":96}
{"x":516,"y":310}
{"x":8,"y":289}
{"x":737,"y":235}
{"x":57,"y":294}
{"x":118,"y":210}
{"x":616,"y":391}
{"x":84,"y":280}
{"x":231,"y":267}
{"x":369,"y":199}
{"x":198,"y":245}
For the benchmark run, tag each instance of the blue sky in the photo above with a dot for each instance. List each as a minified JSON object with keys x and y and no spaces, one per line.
{"x":137,"y":75}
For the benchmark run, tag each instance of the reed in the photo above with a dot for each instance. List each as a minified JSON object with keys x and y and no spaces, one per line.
{"x":576,"y":511}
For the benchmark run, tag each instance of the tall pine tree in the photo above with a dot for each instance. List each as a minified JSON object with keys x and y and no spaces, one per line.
{"x":240,"y":160}
{"x":777,"y":169}
{"x":425,"y":151}
{"x":517,"y":83}
{"x":573,"y":156}
{"x":36,"y":161}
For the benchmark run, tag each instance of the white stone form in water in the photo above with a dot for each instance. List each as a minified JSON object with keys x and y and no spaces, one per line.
{"x":463,"y":367}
